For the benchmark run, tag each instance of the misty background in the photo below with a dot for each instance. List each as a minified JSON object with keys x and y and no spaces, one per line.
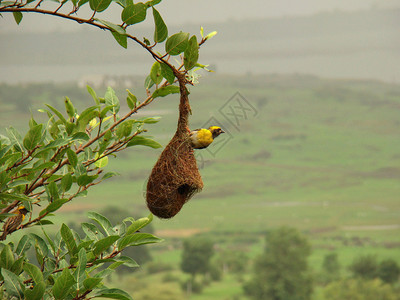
{"x":332,"y":39}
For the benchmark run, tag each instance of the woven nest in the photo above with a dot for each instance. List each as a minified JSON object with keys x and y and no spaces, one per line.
{"x":175,"y":177}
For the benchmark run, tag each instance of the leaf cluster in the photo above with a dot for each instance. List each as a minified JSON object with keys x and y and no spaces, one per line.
{"x":61,"y":159}
{"x":68,"y":266}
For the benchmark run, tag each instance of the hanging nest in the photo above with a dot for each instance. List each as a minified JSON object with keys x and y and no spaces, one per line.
{"x":175,"y":177}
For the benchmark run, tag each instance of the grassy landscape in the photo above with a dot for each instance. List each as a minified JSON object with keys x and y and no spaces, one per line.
{"x":316,"y":154}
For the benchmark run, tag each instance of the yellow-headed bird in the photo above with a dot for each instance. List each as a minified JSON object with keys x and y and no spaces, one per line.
{"x":12,"y":223}
{"x":202,"y":138}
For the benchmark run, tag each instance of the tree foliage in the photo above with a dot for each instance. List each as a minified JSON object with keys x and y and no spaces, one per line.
{"x":58,"y":161}
{"x":281,"y":272}
{"x":330,"y":268}
{"x":356,"y":289}
{"x":389,"y":271}
{"x":365,"y":266}
{"x":196,"y":255}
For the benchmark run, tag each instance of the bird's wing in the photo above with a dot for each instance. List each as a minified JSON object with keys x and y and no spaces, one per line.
{"x":195,"y":131}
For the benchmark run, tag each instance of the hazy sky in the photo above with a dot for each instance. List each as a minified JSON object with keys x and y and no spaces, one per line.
{"x":200,"y":12}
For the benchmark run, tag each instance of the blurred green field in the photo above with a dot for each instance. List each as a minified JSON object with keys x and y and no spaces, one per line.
{"x":319,"y":155}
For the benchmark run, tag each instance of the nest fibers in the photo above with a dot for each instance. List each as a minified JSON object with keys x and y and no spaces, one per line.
{"x":175,"y":177}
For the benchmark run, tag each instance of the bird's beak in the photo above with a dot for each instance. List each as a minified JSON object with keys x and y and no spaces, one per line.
{"x":222,"y":131}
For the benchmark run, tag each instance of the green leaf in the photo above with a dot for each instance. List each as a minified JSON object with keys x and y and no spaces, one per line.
{"x":45,"y":165}
{"x":44,"y":222}
{"x":161,"y":30}
{"x":153,"y":2}
{"x":17,"y":266}
{"x":40,"y":244}
{"x":112,"y":99}
{"x":18,"y":182}
{"x":49,"y":240}
{"x":82,"y":2}
{"x":63,"y":284}
{"x":113,"y":27}
{"x":52,"y":190}
{"x":91,"y":283}
{"x":133,"y":14}
{"x":85,"y":179}
{"x":15,"y":138}
{"x":32,"y":121}
{"x":13,"y":284}
{"x":72,"y":157}
{"x":102,"y":221}
{"x":103,"y":244}
{"x":104,"y":260}
{"x":17,"y":16}
{"x":137,"y":239}
{"x":23,"y":245}
{"x":53,"y":144}
{"x":155,"y":73}
{"x":109,"y":175}
{"x":138,"y":224}
{"x":140,"y":140}
{"x":86,"y":116}
{"x":55,"y":205}
{"x":113,"y":294}
{"x":99,"y":5}
{"x":128,"y":261}
{"x":34,"y":272}
{"x":131,"y":100}
{"x":69,"y":240}
{"x":105,"y":110}
{"x":10,"y":159}
{"x":92,"y":231}
{"x":102,"y":162}
{"x":85,"y":244}
{"x":177,"y":43}
{"x":81,"y":267}
{"x":6,"y":257}
{"x":151,"y":120}
{"x":69,"y":107}
{"x":124,"y":129}
{"x":37,"y":292}
{"x":58,"y":114}
{"x":121,"y":39}
{"x":191,"y":55}
{"x":166,"y":90}
{"x":66,"y":182}
{"x":93,"y":94}
{"x":12,"y":197}
{"x":167,"y":73}
{"x":33,"y":137}
{"x":210,"y":35}
{"x":148,"y":83}
{"x":80,"y":136}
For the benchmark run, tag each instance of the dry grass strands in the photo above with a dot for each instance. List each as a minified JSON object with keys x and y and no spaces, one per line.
{"x":175,"y":177}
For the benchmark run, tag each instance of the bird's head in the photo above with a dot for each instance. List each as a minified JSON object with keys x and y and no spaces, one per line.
{"x":216,"y":131}
{"x":22,"y":210}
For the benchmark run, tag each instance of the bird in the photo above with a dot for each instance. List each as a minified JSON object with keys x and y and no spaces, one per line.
{"x":12,"y":223}
{"x":202,"y":138}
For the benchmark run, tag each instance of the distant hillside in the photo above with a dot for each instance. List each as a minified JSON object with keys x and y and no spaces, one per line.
{"x":336,"y":44}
